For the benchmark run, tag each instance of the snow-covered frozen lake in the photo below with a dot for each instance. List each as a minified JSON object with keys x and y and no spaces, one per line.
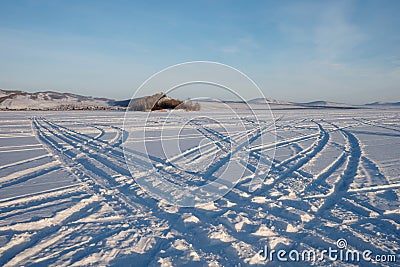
{"x":67,"y":197}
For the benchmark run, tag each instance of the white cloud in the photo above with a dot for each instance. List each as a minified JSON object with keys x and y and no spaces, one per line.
{"x":335,"y":36}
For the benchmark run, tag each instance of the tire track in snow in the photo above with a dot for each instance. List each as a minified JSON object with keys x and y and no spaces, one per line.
{"x":89,"y":169}
{"x":343,"y":183}
{"x":138,"y":206}
{"x":304,"y":157}
{"x":15,"y":254}
{"x":31,"y":244}
{"x":29,"y":173}
{"x":16,"y":163}
{"x":166,"y":214}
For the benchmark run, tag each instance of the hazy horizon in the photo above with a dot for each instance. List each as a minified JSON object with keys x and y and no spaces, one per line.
{"x":339,"y":51}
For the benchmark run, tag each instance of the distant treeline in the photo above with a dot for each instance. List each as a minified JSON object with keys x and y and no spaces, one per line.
{"x":161,"y":101}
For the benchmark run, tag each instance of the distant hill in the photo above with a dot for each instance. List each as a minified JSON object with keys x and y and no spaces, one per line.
{"x":327,"y":104}
{"x":384,"y":104}
{"x":18,"y":100}
{"x":49,"y":100}
{"x":269,"y":101}
{"x":279,"y":104}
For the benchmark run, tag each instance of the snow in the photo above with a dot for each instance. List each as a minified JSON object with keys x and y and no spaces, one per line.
{"x":47,"y":100}
{"x":67,"y":197}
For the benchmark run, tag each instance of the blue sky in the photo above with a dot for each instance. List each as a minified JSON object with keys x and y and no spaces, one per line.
{"x":345,"y":51}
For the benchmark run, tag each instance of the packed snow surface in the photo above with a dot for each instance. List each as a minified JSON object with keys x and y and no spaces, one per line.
{"x":67,"y":197}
